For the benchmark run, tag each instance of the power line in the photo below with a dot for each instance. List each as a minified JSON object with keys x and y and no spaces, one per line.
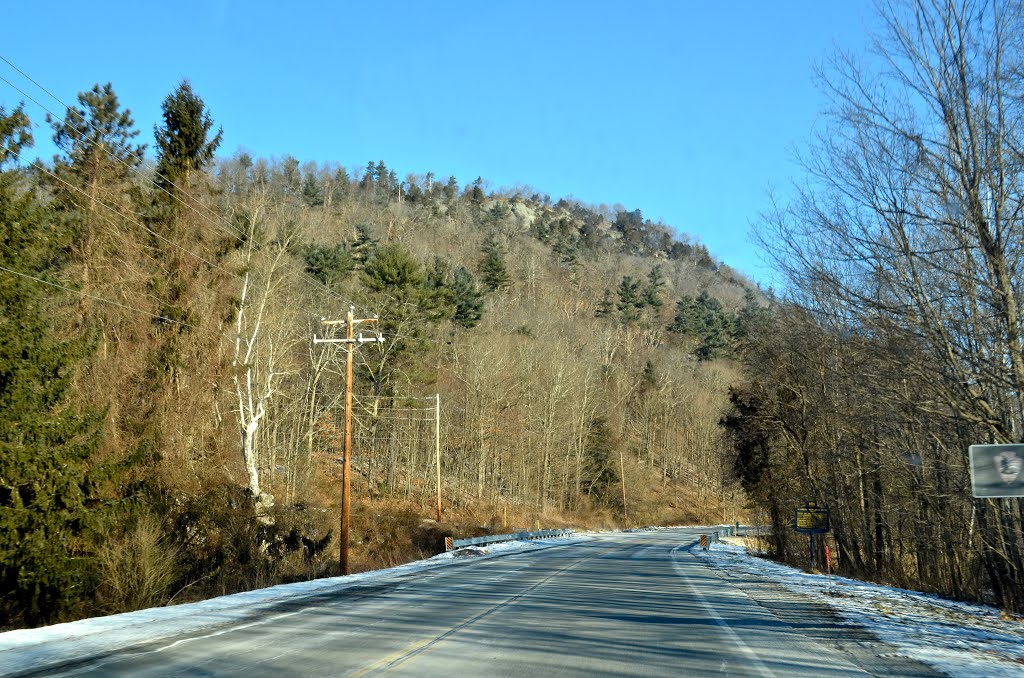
{"x":95,"y":297}
{"x":400,"y":409}
{"x":121,"y":214}
{"x":120,"y":147}
{"x":211,"y":217}
{"x":100,"y":299}
{"x":395,"y":397}
{"x":131,"y":219}
{"x":66,"y":106}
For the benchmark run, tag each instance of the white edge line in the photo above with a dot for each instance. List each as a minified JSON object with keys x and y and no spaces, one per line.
{"x":746,"y":649}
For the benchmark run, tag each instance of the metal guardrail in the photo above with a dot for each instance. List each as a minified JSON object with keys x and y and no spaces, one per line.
{"x":495,"y":538}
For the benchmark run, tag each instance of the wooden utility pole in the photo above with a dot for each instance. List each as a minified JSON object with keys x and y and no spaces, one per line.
{"x":437,"y":450}
{"x":346,"y":476}
{"x":622,"y":478}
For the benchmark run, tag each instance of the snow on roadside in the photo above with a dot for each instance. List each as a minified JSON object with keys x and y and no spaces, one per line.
{"x":26,"y":650}
{"x":961,"y":639}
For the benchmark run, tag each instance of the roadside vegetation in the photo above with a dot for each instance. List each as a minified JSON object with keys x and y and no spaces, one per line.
{"x":901,"y":341}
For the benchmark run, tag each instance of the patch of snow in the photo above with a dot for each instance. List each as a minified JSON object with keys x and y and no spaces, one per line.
{"x":25,"y":650}
{"x":960,"y":639}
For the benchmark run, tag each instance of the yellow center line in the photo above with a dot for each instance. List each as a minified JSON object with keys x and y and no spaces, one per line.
{"x":392,"y":660}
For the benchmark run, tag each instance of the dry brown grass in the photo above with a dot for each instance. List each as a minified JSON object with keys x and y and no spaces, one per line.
{"x":136,"y":569}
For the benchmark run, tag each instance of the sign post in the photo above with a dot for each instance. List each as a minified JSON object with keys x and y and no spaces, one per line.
{"x":997,"y":471}
{"x":812,"y":519}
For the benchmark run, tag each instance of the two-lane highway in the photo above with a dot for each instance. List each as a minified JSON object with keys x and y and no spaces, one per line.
{"x":631,"y":604}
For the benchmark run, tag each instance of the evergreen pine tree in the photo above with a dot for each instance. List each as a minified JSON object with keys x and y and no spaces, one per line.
{"x":183,"y":143}
{"x":568,"y":252}
{"x":469,"y":302}
{"x":715,"y":327}
{"x":328,"y":264}
{"x":631,"y":226}
{"x":438,"y":295}
{"x":413,"y":192}
{"x":91,"y":181}
{"x":291,"y":177}
{"x":97,"y":144}
{"x":44,"y":443}
{"x":340,"y":185}
{"x":649,"y":378}
{"x":369,"y":178}
{"x":606,"y":306}
{"x":476,"y":192}
{"x":450,"y":190}
{"x":383,"y":177}
{"x":654,"y":288}
{"x":363,"y":246}
{"x":15,"y":133}
{"x":631,"y":300}
{"x":601,"y":476}
{"x":687,"y":320}
{"x":493,"y":272}
{"x":393,"y":270}
{"x":312,"y":192}
{"x":452,"y":295}
{"x":750,"y":317}
{"x":399,"y":284}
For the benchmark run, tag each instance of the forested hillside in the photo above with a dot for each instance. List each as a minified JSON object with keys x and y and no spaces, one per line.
{"x":170,"y":430}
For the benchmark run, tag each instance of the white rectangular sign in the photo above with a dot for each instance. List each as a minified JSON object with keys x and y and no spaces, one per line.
{"x":997,"y":470}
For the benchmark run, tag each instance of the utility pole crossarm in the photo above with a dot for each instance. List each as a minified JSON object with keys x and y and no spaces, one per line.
{"x":377,"y":337}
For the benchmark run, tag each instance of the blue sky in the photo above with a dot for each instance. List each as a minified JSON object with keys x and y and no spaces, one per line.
{"x":688,"y":111}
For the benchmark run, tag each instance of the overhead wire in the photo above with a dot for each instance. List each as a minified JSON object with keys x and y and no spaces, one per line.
{"x":94,"y":297}
{"x":394,"y":397}
{"x":100,"y":299}
{"x":120,"y":147}
{"x":132,"y":219}
{"x":97,"y":129}
{"x":211,"y":217}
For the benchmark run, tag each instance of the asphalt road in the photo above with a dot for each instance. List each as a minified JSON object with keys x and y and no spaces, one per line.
{"x":631,"y":604}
